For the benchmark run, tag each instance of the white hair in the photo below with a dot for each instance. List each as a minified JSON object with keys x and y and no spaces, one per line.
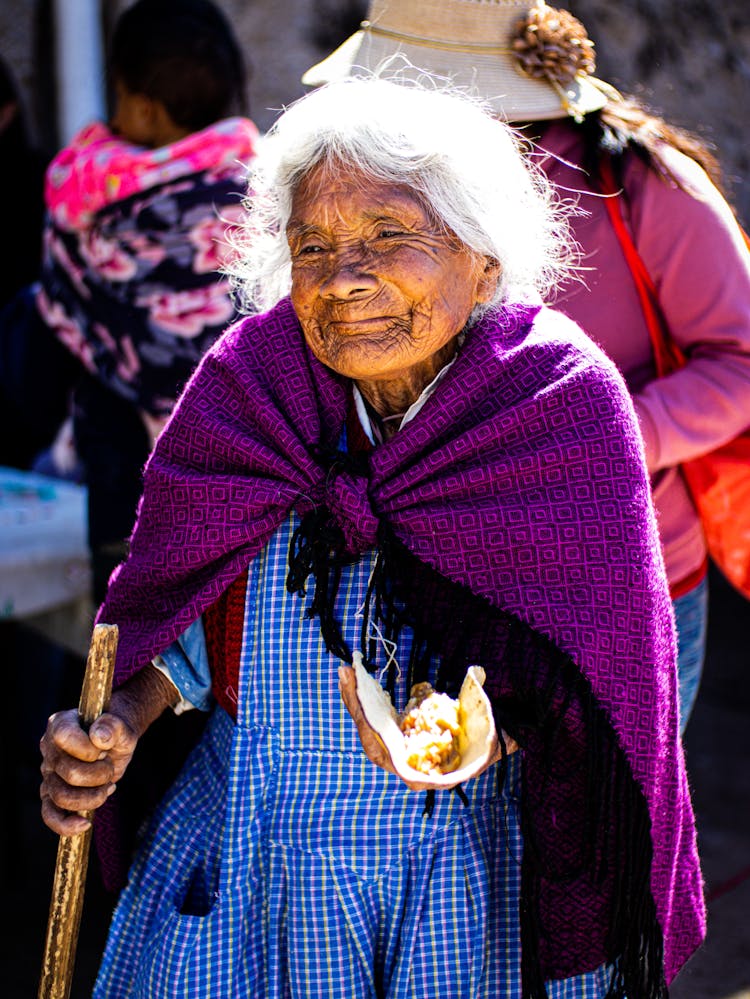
{"x":464,"y":164}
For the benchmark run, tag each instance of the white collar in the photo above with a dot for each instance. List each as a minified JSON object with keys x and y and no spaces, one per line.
{"x":373,"y":434}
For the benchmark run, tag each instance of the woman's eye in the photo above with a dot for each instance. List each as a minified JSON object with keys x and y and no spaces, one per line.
{"x":310,"y":248}
{"x":389,"y":233}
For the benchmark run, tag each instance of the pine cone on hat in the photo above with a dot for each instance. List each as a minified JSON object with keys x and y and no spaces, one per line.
{"x":553,"y":45}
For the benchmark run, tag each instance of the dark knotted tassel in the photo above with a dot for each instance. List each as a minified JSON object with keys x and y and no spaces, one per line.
{"x":429,"y":803}
{"x":429,"y":800}
{"x":317,"y":549}
{"x":639,"y":971}
{"x":461,"y":794}
{"x":384,"y":616}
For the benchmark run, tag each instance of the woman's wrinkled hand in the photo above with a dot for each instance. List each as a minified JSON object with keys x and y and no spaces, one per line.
{"x":376,"y":751}
{"x":80,"y":769}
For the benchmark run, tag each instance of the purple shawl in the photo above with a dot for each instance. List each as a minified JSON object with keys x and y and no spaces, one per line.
{"x":522,"y":479}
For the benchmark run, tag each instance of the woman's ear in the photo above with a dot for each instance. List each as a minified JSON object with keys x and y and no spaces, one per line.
{"x":164,"y":129}
{"x":134,"y":117}
{"x":143,"y":120}
{"x":146,"y":113}
{"x":488,"y":280}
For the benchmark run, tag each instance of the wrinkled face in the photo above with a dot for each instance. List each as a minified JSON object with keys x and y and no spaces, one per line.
{"x":379,"y":287}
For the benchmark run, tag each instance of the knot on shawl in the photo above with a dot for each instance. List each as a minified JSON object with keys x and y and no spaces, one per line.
{"x":348,"y":500}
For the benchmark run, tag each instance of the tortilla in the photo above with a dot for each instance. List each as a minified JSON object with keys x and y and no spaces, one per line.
{"x":476,"y":737}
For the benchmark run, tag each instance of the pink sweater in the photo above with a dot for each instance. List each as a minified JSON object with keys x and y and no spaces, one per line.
{"x":695,"y":254}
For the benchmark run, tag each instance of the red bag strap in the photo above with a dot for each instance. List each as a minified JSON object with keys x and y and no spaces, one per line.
{"x":667,"y":355}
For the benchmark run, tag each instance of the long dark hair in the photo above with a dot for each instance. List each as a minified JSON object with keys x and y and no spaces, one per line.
{"x":625,"y":124}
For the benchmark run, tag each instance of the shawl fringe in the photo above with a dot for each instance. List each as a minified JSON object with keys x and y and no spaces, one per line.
{"x":539,"y":696}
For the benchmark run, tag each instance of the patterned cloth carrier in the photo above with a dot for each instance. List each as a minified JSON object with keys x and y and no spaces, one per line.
{"x":133,"y":247}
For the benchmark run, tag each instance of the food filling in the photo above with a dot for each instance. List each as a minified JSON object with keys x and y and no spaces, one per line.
{"x":431,"y":725}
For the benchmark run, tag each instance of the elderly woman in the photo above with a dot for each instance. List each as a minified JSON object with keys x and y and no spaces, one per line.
{"x":409,"y":458}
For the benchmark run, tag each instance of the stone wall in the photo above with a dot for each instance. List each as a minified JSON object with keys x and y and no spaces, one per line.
{"x":688,"y":59}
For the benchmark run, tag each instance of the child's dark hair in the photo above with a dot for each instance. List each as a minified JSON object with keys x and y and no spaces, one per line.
{"x":184,"y":54}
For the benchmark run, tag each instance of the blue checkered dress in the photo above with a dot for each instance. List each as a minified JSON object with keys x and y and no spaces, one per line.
{"x":284,"y":864}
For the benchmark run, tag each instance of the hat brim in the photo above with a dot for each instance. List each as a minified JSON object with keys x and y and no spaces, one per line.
{"x":492,"y":77}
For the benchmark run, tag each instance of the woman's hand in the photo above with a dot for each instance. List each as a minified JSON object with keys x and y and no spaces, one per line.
{"x":376,"y":751}
{"x":80,"y":769}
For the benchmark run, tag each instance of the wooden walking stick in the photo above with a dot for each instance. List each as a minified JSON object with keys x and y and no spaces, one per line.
{"x":73,"y":851}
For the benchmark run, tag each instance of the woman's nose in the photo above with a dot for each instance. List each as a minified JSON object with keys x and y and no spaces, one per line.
{"x":349,"y":277}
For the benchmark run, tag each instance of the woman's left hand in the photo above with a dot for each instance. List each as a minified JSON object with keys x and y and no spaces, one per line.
{"x":376,"y":751}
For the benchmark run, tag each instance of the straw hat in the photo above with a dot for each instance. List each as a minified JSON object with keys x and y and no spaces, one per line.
{"x":477,"y":45}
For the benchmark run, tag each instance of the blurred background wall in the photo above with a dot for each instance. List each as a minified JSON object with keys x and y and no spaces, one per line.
{"x":689,"y":59}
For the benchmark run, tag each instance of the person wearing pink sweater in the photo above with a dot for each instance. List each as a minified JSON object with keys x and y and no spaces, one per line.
{"x":533,"y":65}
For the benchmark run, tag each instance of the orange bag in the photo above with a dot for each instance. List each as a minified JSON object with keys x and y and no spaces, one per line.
{"x":719,"y":482}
